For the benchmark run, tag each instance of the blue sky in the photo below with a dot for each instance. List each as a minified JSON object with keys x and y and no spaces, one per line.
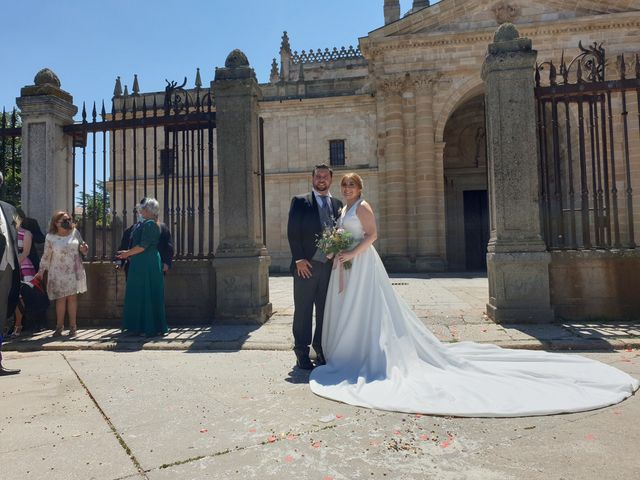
{"x":88,"y":43}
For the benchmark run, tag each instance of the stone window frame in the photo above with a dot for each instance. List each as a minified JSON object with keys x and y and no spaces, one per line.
{"x":337,"y":152}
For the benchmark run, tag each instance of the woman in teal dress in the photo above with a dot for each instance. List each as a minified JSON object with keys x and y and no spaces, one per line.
{"x":144,"y":295}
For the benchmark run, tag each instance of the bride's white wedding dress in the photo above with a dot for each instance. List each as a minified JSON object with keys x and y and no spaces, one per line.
{"x":380,"y":355}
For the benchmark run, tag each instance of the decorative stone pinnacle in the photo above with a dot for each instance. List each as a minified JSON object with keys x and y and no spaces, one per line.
{"x":505,"y":33}
{"x":417,"y":4}
{"x":274,"y":77}
{"x":117,"y":90}
{"x":136,"y":87}
{"x":126,"y":91}
{"x":198,"y":79}
{"x":46,"y":76}
{"x":236,"y":59}
{"x":284,"y":46}
{"x":46,"y":83}
{"x":236,"y":67}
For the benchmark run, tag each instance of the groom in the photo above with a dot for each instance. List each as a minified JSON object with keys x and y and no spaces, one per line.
{"x":308,"y":215}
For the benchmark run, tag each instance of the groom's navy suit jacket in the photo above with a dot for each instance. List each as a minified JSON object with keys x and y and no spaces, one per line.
{"x":304,"y":227}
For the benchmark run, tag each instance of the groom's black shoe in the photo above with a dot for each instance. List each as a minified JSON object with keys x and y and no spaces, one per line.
{"x":320,"y":360}
{"x":303,"y":361}
{"x":8,"y":371}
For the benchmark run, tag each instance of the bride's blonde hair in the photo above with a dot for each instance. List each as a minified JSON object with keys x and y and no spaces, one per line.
{"x":357,"y":179}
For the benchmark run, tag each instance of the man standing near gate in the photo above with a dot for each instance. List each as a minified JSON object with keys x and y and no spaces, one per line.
{"x":308,"y":215}
{"x":9,"y":271}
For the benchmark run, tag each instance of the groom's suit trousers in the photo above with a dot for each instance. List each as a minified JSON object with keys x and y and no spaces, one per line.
{"x":307,"y":293}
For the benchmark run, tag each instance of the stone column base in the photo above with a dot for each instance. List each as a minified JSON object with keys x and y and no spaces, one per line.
{"x":519,"y":287}
{"x":242,"y":290}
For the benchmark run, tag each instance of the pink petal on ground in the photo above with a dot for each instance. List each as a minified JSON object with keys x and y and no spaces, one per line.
{"x":339,"y":416}
{"x":316,"y":445}
{"x":203,"y":430}
{"x":288,"y":459}
{"x":397,"y":432}
{"x":424,"y":437}
{"x":291,"y":437}
{"x":253,"y":430}
{"x":327,"y":478}
{"x":590,"y":437}
{"x":271,"y":439}
{"x":445,"y":444}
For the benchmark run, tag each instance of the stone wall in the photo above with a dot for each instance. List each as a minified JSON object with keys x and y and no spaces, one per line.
{"x":595,"y":285}
{"x":189,"y":295}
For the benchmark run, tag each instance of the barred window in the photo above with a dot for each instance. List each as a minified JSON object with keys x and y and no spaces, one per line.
{"x":166,"y":161}
{"x":336,"y":153}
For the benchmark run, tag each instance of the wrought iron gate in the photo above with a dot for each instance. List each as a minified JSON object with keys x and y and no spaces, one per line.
{"x":589,"y":149}
{"x":159,"y":145}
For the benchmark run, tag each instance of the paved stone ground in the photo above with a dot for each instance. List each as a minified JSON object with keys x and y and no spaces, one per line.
{"x":247,"y":415}
{"x":452,"y":307}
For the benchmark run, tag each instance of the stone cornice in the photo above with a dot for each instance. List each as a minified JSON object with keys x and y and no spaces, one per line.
{"x":399,"y":83}
{"x":374,"y":47}
{"x":296,"y":105}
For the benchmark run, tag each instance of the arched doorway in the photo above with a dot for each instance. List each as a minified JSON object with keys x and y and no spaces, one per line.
{"x":465,"y":175}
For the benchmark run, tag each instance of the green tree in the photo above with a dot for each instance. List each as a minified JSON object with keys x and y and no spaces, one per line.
{"x":10,"y":158}
{"x":97,"y":204}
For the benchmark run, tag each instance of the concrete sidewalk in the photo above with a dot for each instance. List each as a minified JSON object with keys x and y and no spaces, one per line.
{"x":451,"y":307}
{"x":200,"y":413}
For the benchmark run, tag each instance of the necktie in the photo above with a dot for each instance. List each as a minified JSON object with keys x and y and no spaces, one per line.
{"x":325,"y":211}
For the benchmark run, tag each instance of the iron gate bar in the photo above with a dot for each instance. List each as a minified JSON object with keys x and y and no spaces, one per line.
{"x":572,"y":203}
{"x":605,"y":172}
{"x":614,"y":183}
{"x":625,"y":126}
{"x":201,"y":119}
{"x":584,"y":183}
{"x":584,"y":89}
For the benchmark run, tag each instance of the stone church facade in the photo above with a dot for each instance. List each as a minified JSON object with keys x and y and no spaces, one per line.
{"x":405,"y":110}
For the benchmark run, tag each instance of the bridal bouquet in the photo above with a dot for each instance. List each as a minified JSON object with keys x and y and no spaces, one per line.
{"x":334,"y":240}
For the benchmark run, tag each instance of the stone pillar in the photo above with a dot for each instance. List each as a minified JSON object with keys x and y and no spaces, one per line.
{"x":391,"y":11}
{"x":427,"y":177}
{"x":242,"y":261}
{"x":409,"y":123}
{"x":439,"y":203}
{"x":47,"y":152}
{"x":517,"y":258}
{"x":394,"y":178}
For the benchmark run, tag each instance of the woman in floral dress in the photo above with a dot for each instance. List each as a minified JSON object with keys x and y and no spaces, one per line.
{"x":66,"y":277}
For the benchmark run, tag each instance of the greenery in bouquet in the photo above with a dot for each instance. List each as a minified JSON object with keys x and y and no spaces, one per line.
{"x":333,"y":241}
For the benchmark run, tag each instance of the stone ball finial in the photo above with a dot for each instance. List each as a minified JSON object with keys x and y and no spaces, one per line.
{"x":236,"y":59}
{"x":46,"y":76}
{"x":505,"y":33}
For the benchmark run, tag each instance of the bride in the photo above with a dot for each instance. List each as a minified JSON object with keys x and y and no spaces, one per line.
{"x":380,"y":355}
